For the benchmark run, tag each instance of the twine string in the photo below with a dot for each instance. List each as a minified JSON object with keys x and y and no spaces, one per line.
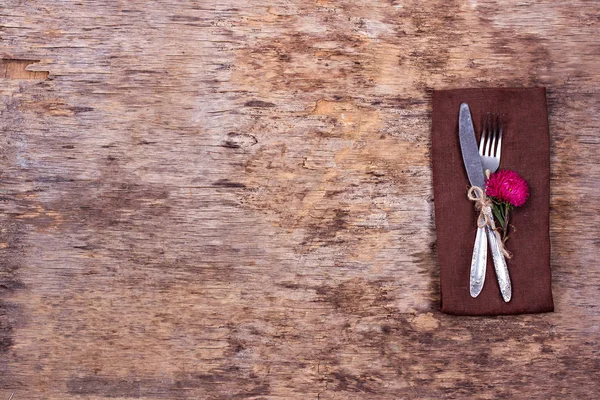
{"x":483,"y":203}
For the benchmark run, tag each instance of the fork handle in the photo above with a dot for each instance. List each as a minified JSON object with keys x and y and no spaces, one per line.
{"x":499,"y":261}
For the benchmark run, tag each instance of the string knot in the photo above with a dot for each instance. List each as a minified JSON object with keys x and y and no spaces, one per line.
{"x":483,"y":204}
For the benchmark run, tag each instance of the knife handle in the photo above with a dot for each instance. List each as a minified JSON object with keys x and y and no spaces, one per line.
{"x":499,"y":260}
{"x":478,"y":263}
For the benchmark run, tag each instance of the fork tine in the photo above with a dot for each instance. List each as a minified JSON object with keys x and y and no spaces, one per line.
{"x":483,"y":135}
{"x":499,"y":149}
{"x":495,"y":134}
{"x":488,"y":136}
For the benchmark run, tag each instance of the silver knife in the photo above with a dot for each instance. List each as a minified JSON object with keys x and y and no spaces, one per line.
{"x":472,"y":161}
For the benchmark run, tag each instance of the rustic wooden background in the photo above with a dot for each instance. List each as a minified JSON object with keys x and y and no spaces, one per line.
{"x":232,"y":199}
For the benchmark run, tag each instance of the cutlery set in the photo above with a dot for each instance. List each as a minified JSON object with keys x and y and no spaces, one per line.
{"x":477,"y":161}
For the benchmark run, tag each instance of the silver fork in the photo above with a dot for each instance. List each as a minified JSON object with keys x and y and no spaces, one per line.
{"x":490,"y":147}
{"x":490,"y":144}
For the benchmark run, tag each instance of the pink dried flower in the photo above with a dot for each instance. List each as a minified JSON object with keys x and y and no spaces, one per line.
{"x":507,"y":186}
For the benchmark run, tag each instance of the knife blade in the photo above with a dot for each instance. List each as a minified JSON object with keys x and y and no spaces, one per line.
{"x":468,"y":147}
{"x":472,"y":161}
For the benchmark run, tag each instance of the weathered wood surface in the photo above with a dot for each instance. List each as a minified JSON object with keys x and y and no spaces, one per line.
{"x":232,"y":199}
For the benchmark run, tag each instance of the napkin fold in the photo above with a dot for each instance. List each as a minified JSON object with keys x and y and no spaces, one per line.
{"x":526,"y":150}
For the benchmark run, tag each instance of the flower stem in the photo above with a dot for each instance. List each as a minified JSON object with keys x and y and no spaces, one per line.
{"x":506,"y":222}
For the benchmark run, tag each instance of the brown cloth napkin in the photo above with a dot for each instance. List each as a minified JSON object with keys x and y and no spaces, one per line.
{"x":526,"y":150}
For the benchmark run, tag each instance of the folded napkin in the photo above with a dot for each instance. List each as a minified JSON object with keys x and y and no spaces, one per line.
{"x":526,"y":150}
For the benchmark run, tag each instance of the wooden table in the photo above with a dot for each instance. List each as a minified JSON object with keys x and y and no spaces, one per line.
{"x":232,"y":200}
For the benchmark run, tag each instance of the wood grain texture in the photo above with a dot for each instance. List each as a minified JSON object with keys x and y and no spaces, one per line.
{"x":17,"y":69}
{"x":227,"y":200}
